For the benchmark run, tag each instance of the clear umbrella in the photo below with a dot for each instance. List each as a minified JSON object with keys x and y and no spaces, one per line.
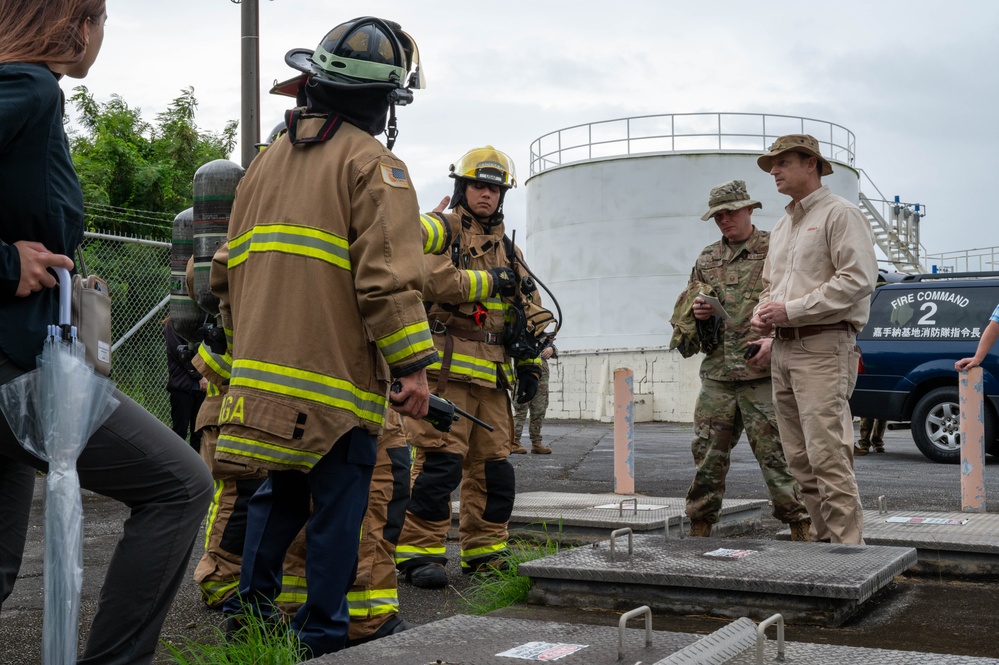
{"x":53,"y":410}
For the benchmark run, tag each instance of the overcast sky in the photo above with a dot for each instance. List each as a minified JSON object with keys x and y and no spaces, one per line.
{"x":915,"y":81}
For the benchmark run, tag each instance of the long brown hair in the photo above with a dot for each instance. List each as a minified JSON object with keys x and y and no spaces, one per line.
{"x":45,"y":30}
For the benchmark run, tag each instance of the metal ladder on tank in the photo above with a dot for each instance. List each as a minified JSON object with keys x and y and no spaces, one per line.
{"x":898,"y":235}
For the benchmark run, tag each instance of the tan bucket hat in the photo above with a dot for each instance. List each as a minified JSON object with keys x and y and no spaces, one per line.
{"x":730,"y":196}
{"x":799,"y":143}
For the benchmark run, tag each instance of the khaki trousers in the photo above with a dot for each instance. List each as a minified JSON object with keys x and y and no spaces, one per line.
{"x":813,"y":378}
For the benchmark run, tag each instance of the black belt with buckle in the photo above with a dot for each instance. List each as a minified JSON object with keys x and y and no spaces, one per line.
{"x":807,"y":331}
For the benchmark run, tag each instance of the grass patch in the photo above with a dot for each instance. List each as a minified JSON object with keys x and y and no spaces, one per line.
{"x":257,"y":643}
{"x":502,"y":588}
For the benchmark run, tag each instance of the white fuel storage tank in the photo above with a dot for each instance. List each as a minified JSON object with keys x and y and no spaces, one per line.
{"x":614,"y":228}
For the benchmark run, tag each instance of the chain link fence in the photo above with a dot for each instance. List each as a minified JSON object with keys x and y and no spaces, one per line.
{"x":138,"y":273}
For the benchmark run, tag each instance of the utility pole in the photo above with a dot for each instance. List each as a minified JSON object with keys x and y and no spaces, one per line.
{"x":249,"y":122}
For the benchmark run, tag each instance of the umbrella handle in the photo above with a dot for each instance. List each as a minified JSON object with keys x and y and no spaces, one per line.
{"x":65,"y":296}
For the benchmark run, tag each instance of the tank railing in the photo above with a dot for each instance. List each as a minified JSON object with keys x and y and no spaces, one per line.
{"x":835,"y":141}
{"x":978,"y":259}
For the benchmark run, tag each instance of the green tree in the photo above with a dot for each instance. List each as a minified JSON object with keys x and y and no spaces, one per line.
{"x":132,"y":167}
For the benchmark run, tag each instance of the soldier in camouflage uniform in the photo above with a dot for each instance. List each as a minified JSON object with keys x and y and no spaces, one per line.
{"x":537,"y":408}
{"x":736,"y":393}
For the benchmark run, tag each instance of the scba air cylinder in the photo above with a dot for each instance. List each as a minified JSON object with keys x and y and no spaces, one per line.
{"x":187,"y":317}
{"x":214,"y":191}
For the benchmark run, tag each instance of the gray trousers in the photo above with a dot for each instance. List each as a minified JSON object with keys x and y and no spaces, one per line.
{"x":137,"y":460}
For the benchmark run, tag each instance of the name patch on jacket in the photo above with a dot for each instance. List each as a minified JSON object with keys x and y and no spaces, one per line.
{"x":394,"y":176}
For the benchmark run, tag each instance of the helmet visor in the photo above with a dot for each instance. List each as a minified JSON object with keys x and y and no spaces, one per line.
{"x":486,"y":165}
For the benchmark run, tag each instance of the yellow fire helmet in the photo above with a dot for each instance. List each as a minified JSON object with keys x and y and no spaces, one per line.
{"x":486,"y":165}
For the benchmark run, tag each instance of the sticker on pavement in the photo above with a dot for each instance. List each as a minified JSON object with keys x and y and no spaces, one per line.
{"x":629,"y":506}
{"x":542,"y":651}
{"x":729,"y":554}
{"x":926,"y":520}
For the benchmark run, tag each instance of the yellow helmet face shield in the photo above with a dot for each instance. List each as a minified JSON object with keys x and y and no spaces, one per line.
{"x":486,"y":165}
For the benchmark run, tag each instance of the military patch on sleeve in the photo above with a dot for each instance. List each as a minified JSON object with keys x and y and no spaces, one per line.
{"x":394,"y":176}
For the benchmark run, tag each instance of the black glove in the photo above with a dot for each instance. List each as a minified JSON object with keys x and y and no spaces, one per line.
{"x":504,"y":281}
{"x":527,"y":385}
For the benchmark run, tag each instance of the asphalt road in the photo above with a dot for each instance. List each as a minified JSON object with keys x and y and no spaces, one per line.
{"x":935,"y":615}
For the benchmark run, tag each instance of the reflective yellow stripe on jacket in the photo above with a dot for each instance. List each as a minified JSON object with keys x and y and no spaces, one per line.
{"x":290,"y":239}
{"x":312,"y":386}
{"x":221,"y":364}
{"x":478,"y":285}
{"x":406,"y":342}
{"x":477,"y":368}
{"x":436,"y":234}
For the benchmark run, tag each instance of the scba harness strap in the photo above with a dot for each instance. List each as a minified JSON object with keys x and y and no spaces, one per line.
{"x":326,"y":132}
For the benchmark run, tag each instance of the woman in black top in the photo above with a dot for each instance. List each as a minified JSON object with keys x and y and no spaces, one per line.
{"x":132,"y":458}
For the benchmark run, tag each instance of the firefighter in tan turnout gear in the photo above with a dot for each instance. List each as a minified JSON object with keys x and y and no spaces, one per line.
{"x":478,"y":293}
{"x":320,"y":298}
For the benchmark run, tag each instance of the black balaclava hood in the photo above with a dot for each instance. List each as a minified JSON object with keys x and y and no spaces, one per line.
{"x":365,"y":109}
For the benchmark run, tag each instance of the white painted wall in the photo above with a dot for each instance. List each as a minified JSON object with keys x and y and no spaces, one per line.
{"x":582,"y":384}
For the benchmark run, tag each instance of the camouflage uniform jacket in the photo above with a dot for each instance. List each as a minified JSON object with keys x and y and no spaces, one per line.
{"x":736,"y":281}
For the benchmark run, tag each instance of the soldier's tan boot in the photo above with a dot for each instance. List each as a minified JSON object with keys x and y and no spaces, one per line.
{"x":699,"y":529}
{"x":518,"y":449}
{"x":799,"y":531}
{"x":539,"y":448}
{"x":859,"y":449}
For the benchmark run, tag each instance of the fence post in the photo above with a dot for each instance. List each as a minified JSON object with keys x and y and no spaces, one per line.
{"x":971,"y":396}
{"x":624,"y":431}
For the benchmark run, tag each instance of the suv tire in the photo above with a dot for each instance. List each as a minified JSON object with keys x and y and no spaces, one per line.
{"x":936,"y":425}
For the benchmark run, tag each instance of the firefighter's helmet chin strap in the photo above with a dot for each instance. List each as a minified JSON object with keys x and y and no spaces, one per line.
{"x":391,"y":131}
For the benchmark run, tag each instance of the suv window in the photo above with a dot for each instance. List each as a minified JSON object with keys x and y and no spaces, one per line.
{"x":933,"y":310}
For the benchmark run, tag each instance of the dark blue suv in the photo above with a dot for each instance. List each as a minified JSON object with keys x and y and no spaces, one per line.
{"x":918,"y":328}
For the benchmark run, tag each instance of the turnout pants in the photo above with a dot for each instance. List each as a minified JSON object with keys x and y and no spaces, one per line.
{"x":374,"y":597}
{"x":813,"y":379}
{"x":217,"y":574}
{"x":477,"y":460}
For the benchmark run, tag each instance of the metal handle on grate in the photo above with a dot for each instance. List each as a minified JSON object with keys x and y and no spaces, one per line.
{"x":644,"y":609}
{"x":882,"y":505}
{"x":621,"y":532}
{"x":682,"y":534}
{"x":620,"y":506}
{"x":761,"y":636}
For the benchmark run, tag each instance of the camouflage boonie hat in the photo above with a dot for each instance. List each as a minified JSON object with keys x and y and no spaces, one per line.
{"x":805,"y":143}
{"x":730,"y":196}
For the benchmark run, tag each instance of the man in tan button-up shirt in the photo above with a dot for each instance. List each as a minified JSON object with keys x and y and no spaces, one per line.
{"x":818,"y":278}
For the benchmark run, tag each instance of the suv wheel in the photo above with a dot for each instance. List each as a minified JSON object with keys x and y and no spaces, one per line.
{"x":936,"y":423}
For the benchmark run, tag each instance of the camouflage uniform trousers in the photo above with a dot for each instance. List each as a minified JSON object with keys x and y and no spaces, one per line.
{"x":537,"y":407}
{"x":723,"y":410}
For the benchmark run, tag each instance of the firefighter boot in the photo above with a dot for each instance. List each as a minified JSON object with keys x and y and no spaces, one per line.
{"x":539,"y":448}
{"x":799,"y":531}
{"x":700,"y":529}
{"x":427,"y":576}
{"x":395,"y":624}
